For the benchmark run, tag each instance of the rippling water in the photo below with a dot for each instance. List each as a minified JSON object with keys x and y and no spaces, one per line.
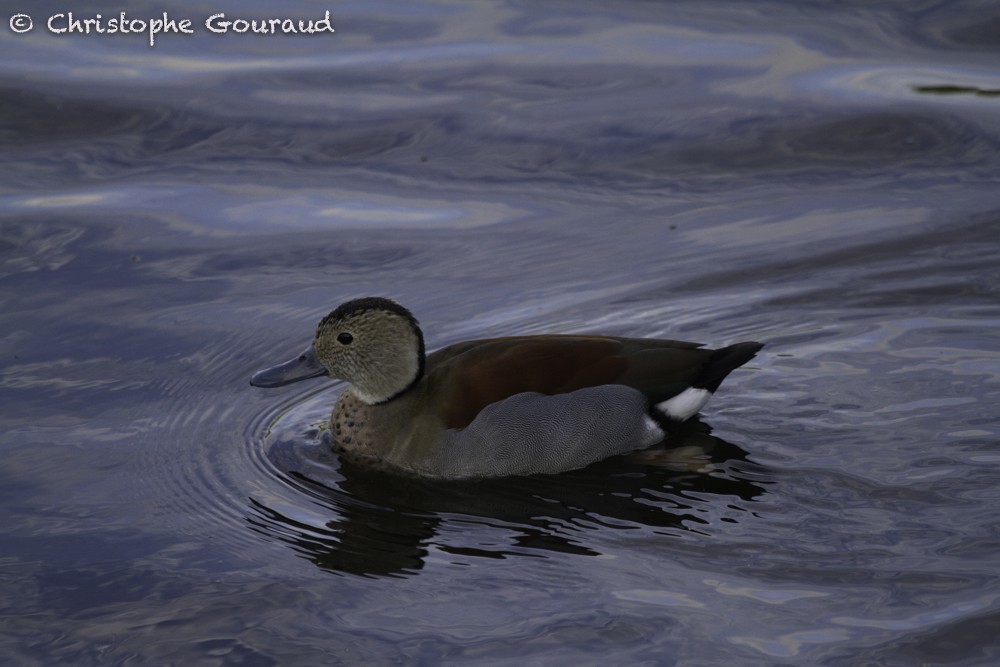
{"x":822,"y":176}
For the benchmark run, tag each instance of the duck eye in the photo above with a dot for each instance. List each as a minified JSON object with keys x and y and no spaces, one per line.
{"x":345,"y":338}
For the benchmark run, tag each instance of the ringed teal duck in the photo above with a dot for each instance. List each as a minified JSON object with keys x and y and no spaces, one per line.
{"x":500,"y":406}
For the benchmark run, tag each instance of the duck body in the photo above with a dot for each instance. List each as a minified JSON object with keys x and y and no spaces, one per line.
{"x":502,"y":406}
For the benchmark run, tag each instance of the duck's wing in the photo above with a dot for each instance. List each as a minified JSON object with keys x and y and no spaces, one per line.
{"x":467,"y":377}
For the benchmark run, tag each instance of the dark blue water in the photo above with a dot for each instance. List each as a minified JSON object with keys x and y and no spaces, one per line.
{"x":821,"y":176}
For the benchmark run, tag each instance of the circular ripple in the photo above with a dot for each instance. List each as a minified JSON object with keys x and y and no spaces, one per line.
{"x":239,"y":466}
{"x":205,"y":447}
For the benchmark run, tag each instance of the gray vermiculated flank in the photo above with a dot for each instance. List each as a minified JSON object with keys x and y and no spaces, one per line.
{"x":532,"y":433}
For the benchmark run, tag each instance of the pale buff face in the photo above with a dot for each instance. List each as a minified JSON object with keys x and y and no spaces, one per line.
{"x":377,"y":351}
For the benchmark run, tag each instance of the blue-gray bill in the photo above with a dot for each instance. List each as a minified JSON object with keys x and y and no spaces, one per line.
{"x":302,"y":367}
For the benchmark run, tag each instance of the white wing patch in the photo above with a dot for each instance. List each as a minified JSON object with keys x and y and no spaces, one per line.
{"x":685,"y":404}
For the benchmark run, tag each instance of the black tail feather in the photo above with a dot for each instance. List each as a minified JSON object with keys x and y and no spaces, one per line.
{"x":723,"y":362}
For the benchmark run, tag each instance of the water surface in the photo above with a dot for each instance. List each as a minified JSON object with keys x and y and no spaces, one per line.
{"x":819,"y":176}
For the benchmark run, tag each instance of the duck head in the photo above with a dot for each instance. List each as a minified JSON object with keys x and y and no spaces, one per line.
{"x":373,"y":343}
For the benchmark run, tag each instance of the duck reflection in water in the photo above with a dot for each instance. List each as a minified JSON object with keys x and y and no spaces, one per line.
{"x":385,"y":524}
